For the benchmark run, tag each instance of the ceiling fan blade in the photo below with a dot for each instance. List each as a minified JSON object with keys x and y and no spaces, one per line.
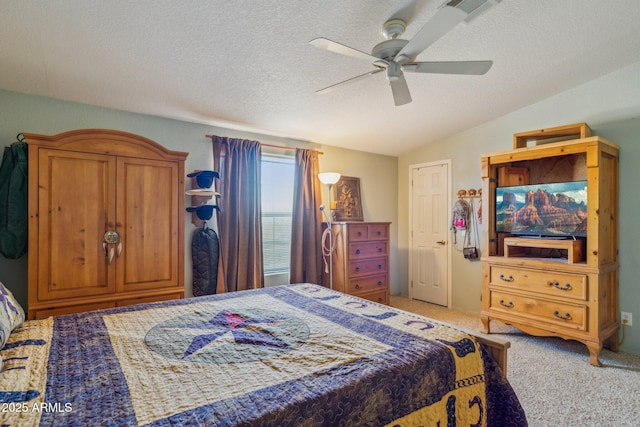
{"x":346,"y":82}
{"x":400,"y":91}
{"x":443,"y":21}
{"x":336,"y":47}
{"x":449,"y":67}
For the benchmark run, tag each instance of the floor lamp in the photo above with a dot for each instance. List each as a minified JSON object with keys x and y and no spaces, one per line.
{"x":328,"y":179}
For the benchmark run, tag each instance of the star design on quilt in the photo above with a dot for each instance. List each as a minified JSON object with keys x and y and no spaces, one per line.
{"x":226,"y":335}
{"x":229,"y":326}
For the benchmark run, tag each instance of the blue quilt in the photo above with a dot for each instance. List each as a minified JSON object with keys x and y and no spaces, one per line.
{"x":294,"y":355}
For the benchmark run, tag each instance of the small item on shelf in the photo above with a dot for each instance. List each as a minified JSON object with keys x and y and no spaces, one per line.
{"x":204,"y":179}
{"x":201,"y":193}
{"x":203,"y":212}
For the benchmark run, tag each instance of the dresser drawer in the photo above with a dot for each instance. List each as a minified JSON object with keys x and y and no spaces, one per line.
{"x":365,"y":284}
{"x":562,"y":314}
{"x":368,"y":266}
{"x":367,"y":249}
{"x":359,"y":232}
{"x":541,"y":282}
{"x":378,"y":296}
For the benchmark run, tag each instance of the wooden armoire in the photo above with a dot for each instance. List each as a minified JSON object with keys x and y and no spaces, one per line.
{"x":545,"y":286}
{"x":106,"y":221}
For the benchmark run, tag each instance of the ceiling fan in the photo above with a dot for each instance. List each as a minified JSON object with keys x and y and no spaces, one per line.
{"x":396,"y":56}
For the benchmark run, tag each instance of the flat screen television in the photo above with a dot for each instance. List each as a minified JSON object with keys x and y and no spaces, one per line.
{"x":545,"y":210}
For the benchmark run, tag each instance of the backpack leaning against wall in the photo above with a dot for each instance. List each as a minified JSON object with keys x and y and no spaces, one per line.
{"x":205,"y":253}
{"x":14,"y":216}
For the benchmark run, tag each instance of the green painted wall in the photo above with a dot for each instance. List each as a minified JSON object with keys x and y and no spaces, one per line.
{"x":611,"y":107}
{"x":35,"y":114}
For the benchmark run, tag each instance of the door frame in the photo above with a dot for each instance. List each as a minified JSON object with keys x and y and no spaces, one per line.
{"x":448,"y":202}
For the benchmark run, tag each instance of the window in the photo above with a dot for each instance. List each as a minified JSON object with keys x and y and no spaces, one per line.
{"x":277,"y":203}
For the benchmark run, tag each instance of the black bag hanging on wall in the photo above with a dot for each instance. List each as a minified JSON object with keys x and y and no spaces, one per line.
{"x":204,"y":254}
{"x":14,"y":215}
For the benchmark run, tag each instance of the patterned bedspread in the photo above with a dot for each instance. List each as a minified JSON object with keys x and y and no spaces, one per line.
{"x":294,"y":355}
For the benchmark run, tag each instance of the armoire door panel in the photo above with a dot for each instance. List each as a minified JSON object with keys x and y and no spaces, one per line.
{"x":147,"y":215}
{"x":75,"y":206}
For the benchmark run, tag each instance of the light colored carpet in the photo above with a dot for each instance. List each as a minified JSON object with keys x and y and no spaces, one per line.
{"x":552,"y":377}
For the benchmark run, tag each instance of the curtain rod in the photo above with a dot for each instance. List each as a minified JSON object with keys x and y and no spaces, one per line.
{"x":282,"y":147}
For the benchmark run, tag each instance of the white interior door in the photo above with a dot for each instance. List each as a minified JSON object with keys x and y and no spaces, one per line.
{"x":429,"y":233}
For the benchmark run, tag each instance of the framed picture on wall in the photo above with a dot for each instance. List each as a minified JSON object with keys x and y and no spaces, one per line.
{"x":346,"y":195}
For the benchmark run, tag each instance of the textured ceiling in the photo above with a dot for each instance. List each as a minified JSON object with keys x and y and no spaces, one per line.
{"x":247,"y":64}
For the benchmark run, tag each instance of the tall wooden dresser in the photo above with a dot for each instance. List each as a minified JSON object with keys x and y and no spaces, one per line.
{"x":361,"y":260}
{"x":106,"y":221}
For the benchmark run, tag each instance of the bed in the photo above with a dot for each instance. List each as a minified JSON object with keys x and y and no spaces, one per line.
{"x":291,"y":355}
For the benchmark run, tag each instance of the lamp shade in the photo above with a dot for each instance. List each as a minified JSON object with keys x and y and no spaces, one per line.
{"x":329,"y":178}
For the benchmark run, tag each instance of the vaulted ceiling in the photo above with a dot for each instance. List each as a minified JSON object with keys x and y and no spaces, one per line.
{"x":248,"y":64}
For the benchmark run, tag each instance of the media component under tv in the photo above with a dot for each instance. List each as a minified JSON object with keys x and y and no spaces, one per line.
{"x":546,"y":210}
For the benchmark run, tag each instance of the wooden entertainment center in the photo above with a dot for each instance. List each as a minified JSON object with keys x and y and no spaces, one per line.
{"x":548,"y":286}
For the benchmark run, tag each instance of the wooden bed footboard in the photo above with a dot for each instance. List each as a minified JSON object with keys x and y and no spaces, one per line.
{"x":497,"y":348}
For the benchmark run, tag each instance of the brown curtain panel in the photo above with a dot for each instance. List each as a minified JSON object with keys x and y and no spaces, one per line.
{"x":238,"y":161}
{"x":306,"y":251}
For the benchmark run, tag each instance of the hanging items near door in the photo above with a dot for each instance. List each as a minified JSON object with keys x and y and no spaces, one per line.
{"x":205,"y":245}
{"x":464,"y":219}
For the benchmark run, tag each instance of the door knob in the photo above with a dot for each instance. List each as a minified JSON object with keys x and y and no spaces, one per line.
{"x":441,"y":242}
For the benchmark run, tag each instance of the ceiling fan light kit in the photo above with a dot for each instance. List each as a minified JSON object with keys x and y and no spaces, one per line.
{"x":396,"y":56}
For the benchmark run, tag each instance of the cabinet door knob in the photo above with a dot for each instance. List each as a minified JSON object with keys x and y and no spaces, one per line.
{"x":507,"y":304}
{"x":111,"y":237}
{"x":507,"y":279}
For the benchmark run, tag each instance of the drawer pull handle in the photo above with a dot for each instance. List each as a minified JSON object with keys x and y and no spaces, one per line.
{"x":379,"y":266}
{"x":507,"y":279}
{"x":379,"y":282}
{"x":508,"y":305}
{"x":357,"y":251}
{"x":379,"y":249}
{"x":357,"y":286}
{"x":379,"y":233}
{"x":357,"y":269}
{"x":359,"y":233}
{"x":567,"y":316}
{"x":556,"y":285}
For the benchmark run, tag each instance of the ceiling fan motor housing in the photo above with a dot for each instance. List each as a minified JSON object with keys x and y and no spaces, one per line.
{"x":388,"y":49}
